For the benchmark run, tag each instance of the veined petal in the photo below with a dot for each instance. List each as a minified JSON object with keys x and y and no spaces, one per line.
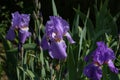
{"x":69,"y":38}
{"x":25,"y":18}
{"x":58,"y":50}
{"x":112,"y":67}
{"x":98,"y":56}
{"x":111,"y":54}
{"x":56,"y":25}
{"x":20,"y":20}
{"x":11,"y":34}
{"x":23,"y":34}
{"x":44,"y":43}
{"x":15,"y":19}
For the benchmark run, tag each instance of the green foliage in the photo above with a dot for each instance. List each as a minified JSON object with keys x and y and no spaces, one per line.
{"x":54,"y":8}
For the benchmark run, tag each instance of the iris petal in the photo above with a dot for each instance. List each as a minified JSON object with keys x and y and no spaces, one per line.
{"x":93,"y":72}
{"x":23,"y":34}
{"x":20,"y":20}
{"x":112,"y":67}
{"x":25,"y":18}
{"x":58,"y":50}
{"x":10,"y":35}
{"x":57,"y":25}
{"x":44,"y":43}
{"x":69,"y":38}
{"x":15,"y":19}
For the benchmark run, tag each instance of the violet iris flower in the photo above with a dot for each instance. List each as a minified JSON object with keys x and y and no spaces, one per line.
{"x":20,"y":22}
{"x":102,"y":55}
{"x":55,"y":29}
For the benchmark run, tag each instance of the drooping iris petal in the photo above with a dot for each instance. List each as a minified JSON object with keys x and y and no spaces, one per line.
{"x":58,"y":50}
{"x":69,"y":38}
{"x":112,"y":67}
{"x":44,"y":43}
{"x":93,"y":72}
{"x":102,"y":54}
{"x":10,"y":35}
{"x":23,"y":34}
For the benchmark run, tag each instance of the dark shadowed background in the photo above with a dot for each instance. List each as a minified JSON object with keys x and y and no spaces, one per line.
{"x":64,"y":7}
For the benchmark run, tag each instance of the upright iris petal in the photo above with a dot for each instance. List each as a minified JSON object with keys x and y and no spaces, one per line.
{"x":58,"y":26}
{"x":93,"y":72}
{"x":15,"y":20}
{"x":103,"y":54}
{"x":20,"y":22}
{"x":55,"y":29}
{"x":25,"y":18}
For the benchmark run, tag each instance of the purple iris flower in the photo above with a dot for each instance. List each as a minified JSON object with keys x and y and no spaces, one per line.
{"x":20,"y":22}
{"x":104,"y":55}
{"x":93,"y":71}
{"x":55,"y":29}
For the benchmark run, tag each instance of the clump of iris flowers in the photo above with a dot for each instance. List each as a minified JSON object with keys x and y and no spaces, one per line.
{"x":20,"y":22}
{"x":55,"y":29}
{"x":102,"y":55}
